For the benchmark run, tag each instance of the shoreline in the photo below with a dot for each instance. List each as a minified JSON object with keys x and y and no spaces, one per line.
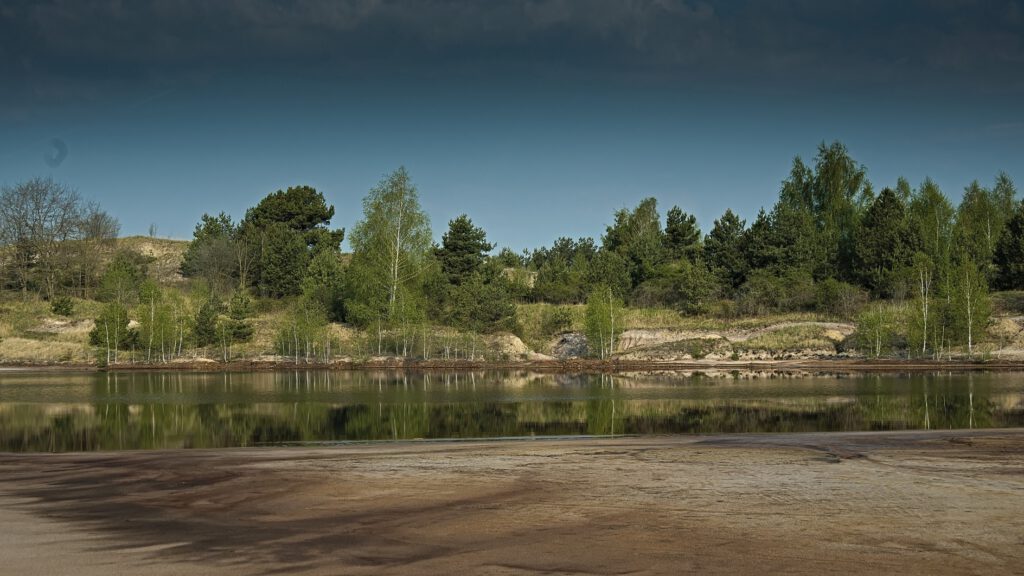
{"x":569,"y":366}
{"x":913,"y":502}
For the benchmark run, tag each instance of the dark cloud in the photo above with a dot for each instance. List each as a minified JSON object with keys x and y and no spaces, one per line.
{"x":86,"y":47}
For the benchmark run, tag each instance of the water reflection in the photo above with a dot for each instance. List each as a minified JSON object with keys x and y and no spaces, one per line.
{"x":79,"y":412}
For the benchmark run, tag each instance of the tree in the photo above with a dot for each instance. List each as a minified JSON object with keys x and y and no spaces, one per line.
{"x":211,"y":255}
{"x":759,"y":250}
{"x":877,"y":327}
{"x":205,"y":328}
{"x":300,"y":208}
{"x":481,"y":303}
{"x":832,"y":194}
{"x":971,"y":304}
{"x":111,"y":331}
{"x":603,"y":321}
{"x":930,"y":219}
{"x":1009,"y":253}
{"x":283,"y":260}
{"x":884,"y":248}
{"x":123,"y":278}
{"x":390,"y":252}
{"x":38,"y":220}
{"x":97,"y":240}
{"x":463,"y":249}
{"x":723,"y":250}
{"x":304,"y":333}
{"x":271,"y":234}
{"x":636,"y":235}
{"x":980,"y":219}
{"x":792,"y":241}
{"x":563,"y":270}
{"x":682,"y":235}
{"x":324,"y":282}
{"x":838,"y":188}
{"x":694,"y":286}
{"x":924,"y":277}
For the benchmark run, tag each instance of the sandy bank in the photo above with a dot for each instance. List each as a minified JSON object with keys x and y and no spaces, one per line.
{"x":912,"y":503}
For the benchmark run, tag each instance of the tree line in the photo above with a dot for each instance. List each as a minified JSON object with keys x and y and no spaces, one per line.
{"x":911,"y":268}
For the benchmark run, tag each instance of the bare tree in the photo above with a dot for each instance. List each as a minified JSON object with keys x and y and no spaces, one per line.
{"x":38,"y":217}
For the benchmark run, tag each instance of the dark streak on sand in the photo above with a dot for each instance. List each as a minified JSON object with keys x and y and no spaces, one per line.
{"x":947,"y":502}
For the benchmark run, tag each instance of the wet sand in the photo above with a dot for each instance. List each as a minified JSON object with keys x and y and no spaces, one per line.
{"x":868,"y":503}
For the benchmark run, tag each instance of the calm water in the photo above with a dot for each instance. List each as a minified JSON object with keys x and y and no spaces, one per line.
{"x":69,"y":412}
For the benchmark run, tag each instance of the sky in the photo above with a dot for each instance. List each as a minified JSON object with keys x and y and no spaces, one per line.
{"x":537,"y":118}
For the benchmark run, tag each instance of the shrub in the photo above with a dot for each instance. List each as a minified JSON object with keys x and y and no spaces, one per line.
{"x":555,"y":320}
{"x":62,"y":306}
{"x":839,"y":299}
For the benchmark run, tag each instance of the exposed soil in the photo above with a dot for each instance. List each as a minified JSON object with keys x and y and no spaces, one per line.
{"x":868,"y":503}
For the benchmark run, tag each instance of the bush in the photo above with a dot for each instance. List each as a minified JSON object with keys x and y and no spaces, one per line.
{"x":555,"y":320}
{"x":62,"y":306}
{"x":763,"y":293}
{"x":839,"y":299}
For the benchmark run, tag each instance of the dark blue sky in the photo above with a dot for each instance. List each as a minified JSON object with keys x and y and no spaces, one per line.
{"x":537,"y":118}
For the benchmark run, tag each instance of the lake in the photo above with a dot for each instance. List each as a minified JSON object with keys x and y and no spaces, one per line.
{"x":60,"y":411}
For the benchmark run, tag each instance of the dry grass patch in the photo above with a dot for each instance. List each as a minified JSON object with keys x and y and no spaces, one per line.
{"x":789,"y":339}
{"x":17,"y":350}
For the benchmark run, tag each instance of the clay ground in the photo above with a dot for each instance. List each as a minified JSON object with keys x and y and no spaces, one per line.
{"x":870,"y":503}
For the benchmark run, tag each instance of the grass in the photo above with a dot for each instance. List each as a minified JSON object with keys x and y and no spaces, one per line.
{"x":31,"y":332}
{"x":1010,"y":303}
{"x":792,"y":338}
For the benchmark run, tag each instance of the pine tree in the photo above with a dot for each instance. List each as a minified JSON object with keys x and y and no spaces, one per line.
{"x":682,"y":235}
{"x":1009,"y":254}
{"x":723,"y":250}
{"x":883,"y":249}
{"x":463,"y":249}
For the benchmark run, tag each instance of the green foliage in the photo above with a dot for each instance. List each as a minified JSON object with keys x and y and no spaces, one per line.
{"x":509,"y":259}
{"x":971,"y":306}
{"x":1009,"y":253}
{"x":839,"y":299}
{"x":236,"y":327}
{"x":210,"y":254}
{"x":324,"y":282}
{"x":930,"y":219}
{"x":204,"y":330}
{"x":111,"y":331}
{"x":682,"y":235}
{"x":555,"y":320}
{"x":563,"y":271}
{"x":300,"y":208}
{"x":687,"y":286}
{"x":636,"y":235}
{"x":603,"y":321}
{"x":838,"y":189}
{"x":878,"y":329}
{"x":724,"y":252}
{"x":884,"y":245}
{"x":390,"y":255}
{"x":121,"y":280}
{"x":62,"y":306}
{"x":304,"y":334}
{"x":481,"y":303}
{"x":767,"y":293}
{"x":463,"y":249}
{"x":283,"y":261}
{"x":980,"y":220}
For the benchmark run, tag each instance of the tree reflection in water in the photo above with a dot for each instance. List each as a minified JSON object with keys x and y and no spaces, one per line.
{"x":111,"y":411}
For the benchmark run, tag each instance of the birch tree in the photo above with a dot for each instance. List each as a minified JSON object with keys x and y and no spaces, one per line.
{"x":603,"y":321}
{"x":971,"y":305}
{"x":390,"y":253}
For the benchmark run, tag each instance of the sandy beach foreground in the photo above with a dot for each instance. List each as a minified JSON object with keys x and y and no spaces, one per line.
{"x":871,"y":503}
